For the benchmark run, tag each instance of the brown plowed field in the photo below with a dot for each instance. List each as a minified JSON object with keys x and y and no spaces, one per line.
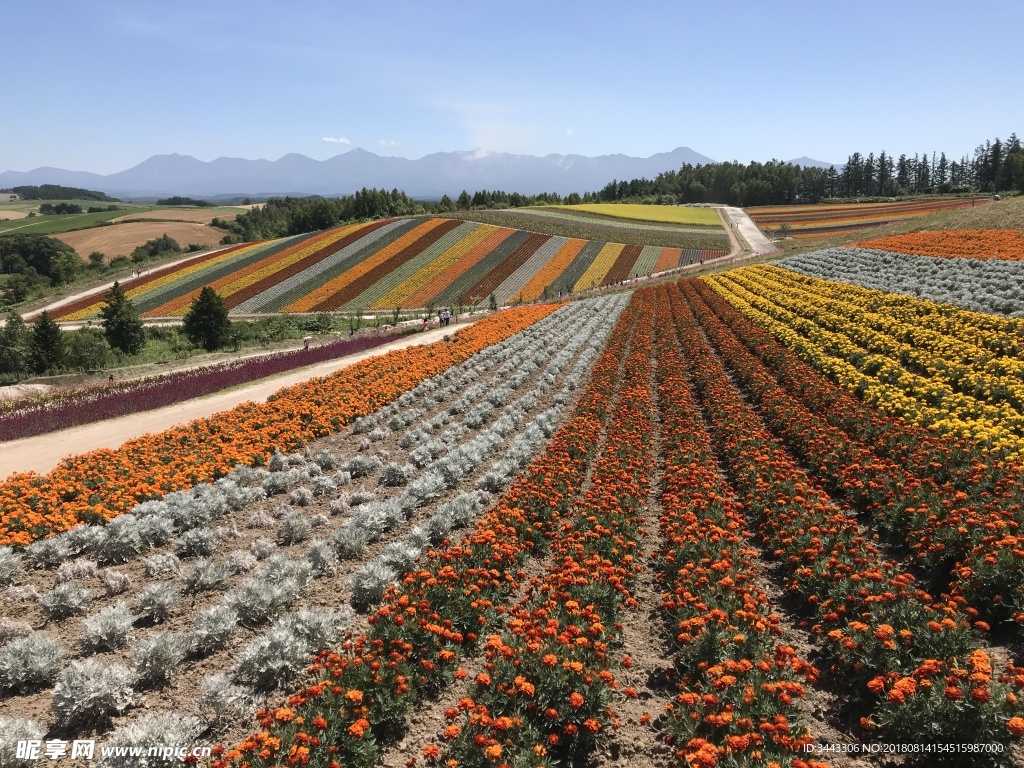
{"x":12,"y":215}
{"x":122,"y":239}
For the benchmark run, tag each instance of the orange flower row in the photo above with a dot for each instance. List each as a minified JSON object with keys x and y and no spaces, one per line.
{"x":738,"y":687}
{"x":548,"y":680}
{"x":984,"y":244}
{"x":101,"y":484}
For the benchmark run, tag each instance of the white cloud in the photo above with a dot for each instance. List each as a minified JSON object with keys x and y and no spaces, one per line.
{"x":337,"y":139}
{"x":570,"y":131}
{"x":389,"y":143}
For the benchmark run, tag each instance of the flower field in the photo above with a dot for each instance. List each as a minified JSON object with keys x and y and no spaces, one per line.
{"x":993,"y":286}
{"x":805,"y":221}
{"x":409,"y":263}
{"x":982,"y":244}
{"x":727,"y":521}
{"x":69,"y":408}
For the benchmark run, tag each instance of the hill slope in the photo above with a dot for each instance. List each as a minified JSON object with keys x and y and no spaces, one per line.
{"x":392,"y":263}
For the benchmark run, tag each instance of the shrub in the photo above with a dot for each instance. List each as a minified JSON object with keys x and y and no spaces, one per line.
{"x":10,"y":566}
{"x":123,"y":540}
{"x":109,"y":628}
{"x":262,"y":548}
{"x":92,"y":691}
{"x":11,"y":629}
{"x":158,"y":565}
{"x":326,"y":460}
{"x":29,"y":663}
{"x":240,"y":561}
{"x":399,"y":556}
{"x":76,"y":569}
{"x":271,"y":660}
{"x":115,"y":582}
{"x":17,"y":729}
{"x":396,"y":475}
{"x":147,"y":730}
{"x":47,"y":553}
{"x":213,"y":629}
{"x":324,"y":486}
{"x":24,"y":594}
{"x":260,"y":519}
{"x":259,"y":599}
{"x":158,"y":657}
{"x":227,"y":532}
{"x":223,"y":703}
{"x":156,"y":601}
{"x":350,"y":540}
{"x":361,"y":466}
{"x":370,"y":582}
{"x":205,"y":575}
{"x":293,"y":529}
{"x":65,"y":600}
{"x":199,"y":542}
{"x":301,"y":497}
{"x":322,"y":557}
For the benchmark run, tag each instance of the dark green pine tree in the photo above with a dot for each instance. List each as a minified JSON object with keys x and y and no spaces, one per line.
{"x":122,"y":325}
{"x":206,"y":322}
{"x":47,"y":347}
{"x":14,"y":346}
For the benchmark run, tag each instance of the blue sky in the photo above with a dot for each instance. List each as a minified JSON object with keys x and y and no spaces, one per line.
{"x":101,"y":86}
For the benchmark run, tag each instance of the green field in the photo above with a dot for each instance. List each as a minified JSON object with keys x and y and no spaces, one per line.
{"x":51,"y":225}
{"x":672,"y":214}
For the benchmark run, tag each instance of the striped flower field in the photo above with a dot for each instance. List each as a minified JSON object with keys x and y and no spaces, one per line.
{"x":408,"y":263}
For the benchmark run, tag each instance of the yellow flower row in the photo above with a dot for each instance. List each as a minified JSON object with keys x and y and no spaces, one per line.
{"x":965,"y":367}
{"x":599,"y":267}
{"x":430,"y":270}
{"x":877,"y":378}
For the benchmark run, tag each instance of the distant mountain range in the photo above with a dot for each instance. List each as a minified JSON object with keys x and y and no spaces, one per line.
{"x":430,"y":176}
{"x":810,"y":161}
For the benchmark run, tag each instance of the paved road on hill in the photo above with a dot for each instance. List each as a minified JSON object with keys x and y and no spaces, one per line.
{"x":748,"y":230}
{"x":44,"y":452}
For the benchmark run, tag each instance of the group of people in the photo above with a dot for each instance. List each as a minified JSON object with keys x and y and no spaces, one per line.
{"x":444,"y":316}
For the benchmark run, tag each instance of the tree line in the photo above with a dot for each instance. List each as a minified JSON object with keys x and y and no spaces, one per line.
{"x":281,"y":217}
{"x":57,"y":192}
{"x":996,"y":166}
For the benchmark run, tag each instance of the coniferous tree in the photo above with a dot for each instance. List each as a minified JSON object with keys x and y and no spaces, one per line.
{"x":46,"y":347}
{"x":14,"y":346}
{"x":122,"y":325}
{"x":206,"y":323}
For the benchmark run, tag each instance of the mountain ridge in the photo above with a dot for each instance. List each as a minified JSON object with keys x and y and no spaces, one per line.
{"x":432,"y":175}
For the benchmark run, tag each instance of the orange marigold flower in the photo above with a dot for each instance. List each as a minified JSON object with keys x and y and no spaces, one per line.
{"x":592,"y":725}
{"x":1016,"y":726}
{"x":319,"y":722}
{"x":493,"y":752}
{"x":576,"y":700}
{"x":452,"y":732}
{"x":355,"y":696}
{"x":431,"y":751}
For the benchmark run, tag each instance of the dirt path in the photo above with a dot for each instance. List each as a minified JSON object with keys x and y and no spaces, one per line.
{"x":747,"y":230}
{"x":44,"y":452}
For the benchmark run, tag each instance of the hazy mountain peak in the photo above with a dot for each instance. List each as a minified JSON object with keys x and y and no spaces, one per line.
{"x":430,"y":176}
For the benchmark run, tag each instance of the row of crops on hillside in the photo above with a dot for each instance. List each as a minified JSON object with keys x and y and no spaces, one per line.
{"x":723,"y":521}
{"x":806,"y":221}
{"x":408,"y":263}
